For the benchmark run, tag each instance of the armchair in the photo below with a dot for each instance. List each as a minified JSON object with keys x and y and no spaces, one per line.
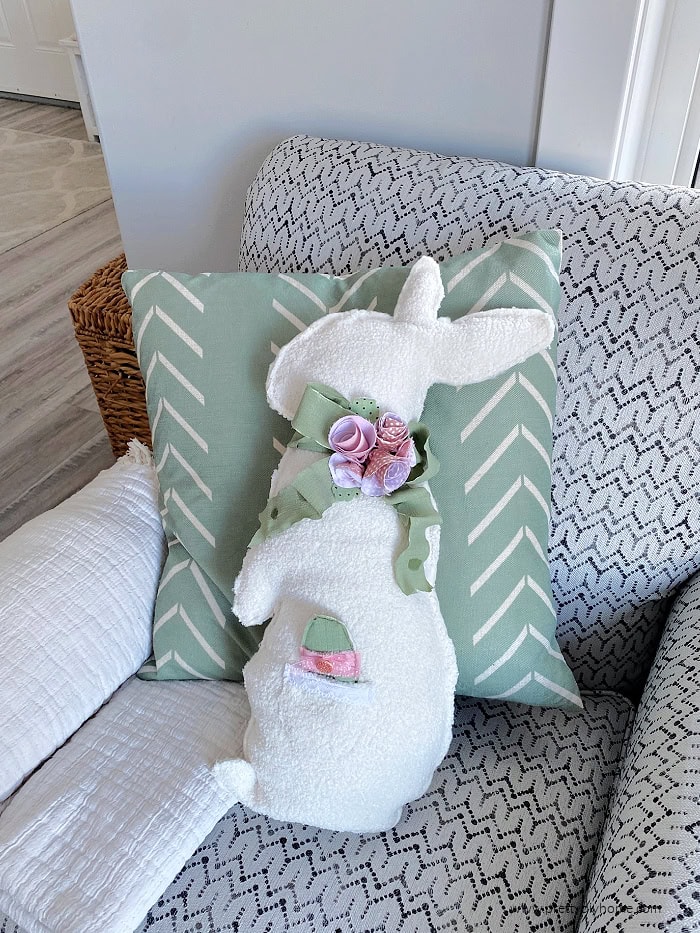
{"x":537,"y":819}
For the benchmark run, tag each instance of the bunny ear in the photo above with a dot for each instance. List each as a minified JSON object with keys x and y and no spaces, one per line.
{"x":421,"y":294}
{"x":484,"y":344}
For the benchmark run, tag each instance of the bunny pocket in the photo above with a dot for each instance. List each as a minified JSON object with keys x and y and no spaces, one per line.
{"x":348,"y":691}
{"x":328,"y":663}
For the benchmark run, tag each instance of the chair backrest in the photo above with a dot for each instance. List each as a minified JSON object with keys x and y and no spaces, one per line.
{"x":626,"y":485}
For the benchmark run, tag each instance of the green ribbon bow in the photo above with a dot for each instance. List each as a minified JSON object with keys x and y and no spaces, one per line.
{"x":313,"y":489}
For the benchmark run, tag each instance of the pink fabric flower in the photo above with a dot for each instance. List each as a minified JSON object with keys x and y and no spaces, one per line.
{"x":352,"y":436}
{"x":392,"y":431}
{"x":407,"y":451}
{"x":345,"y":473}
{"x":386,"y":472}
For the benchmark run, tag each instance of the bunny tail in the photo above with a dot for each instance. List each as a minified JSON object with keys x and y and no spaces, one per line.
{"x":237,"y":779}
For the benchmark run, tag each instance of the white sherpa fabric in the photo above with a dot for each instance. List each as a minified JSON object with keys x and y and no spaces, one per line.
{"x":348,"y":756}
{"x":396,"y":360}
{"x":77,"y":587}
{"x":93,"y":838}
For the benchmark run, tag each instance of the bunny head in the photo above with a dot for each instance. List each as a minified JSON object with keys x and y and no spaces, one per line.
{"x":395,"y":359}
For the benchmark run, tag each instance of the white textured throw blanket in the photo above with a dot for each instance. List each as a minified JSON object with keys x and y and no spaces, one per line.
{"x":95,"y":836}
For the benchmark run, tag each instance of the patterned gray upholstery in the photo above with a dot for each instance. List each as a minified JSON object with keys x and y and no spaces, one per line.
{"x":625,"y":490}
{"x":647,"y":875}
{"x":503,"y":841}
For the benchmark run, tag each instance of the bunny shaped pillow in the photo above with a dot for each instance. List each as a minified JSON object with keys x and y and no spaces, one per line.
{"x":352,"y":689}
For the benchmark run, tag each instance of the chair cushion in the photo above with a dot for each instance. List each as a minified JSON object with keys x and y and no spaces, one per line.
{"x":503,"y":840}
{"x":625,"y":488}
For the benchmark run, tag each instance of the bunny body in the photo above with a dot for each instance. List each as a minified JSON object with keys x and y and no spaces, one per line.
{"x":334,"y":746}
{"x":344,"y":755}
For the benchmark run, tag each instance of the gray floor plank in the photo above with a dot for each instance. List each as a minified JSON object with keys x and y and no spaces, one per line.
{"x":42,"y":118}
{"x":52,"y":440}
{"x":66,"y":478}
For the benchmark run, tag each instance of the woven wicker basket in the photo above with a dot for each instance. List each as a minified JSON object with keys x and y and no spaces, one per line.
{"x":102,"y":319}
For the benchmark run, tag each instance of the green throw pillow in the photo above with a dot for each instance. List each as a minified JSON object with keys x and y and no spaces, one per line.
{"x":205,"y":344}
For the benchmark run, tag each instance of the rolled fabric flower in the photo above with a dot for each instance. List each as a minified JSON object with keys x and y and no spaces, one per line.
{"x":385,"y":473}
{"x":392,"y":431}
{"x":353,"y":436}
{"x":345,"y":473}
{"x":407,"y":451}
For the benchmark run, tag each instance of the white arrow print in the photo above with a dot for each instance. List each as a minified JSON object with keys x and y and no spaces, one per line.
{"x":171,"y":449}
{"x":164,"y":405}
{"x":159,"y":357}
{"x":185,"y":292}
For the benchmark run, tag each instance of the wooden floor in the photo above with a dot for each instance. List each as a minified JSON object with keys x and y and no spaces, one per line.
{"x":52,"y":440}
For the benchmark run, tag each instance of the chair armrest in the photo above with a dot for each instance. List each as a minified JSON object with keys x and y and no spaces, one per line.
{"x":647,"y":870}
{"x":77,"y":590}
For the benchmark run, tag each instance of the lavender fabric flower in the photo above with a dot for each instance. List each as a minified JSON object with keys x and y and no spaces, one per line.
{"x":345,"y":473}
{"x":374,"y":458}
{"x":354,"y":437}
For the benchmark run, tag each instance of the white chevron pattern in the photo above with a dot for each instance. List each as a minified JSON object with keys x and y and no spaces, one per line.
{"x":538,"y":397}
{"x":531,"y":439}
{"x":532,"y":293}
{"x":172,"y":495}
{"x":523,"y":533}
{"x":491,"y":460}
{"x":307,"y":292}
{"x":470,"y":266}
{"x":493,"y":514}
{"x":490,"y":293}
{"x":191,"y":629}
{"x":504,"y":658}
{"x":207,"y":594}
{"x":610,"y":625}
{"x":173,"y":655}
{"x":537,"y":495}
{"x":160,"y":357}
{"x":179,"y":332}
{"x":164,"y":405}
{"x":177,"y":616}
{"x":347,"y":297}
{"x":184,"y":291}
{"x":539,"y":252}
{"x":544,"y":682}
{"x":495,"y":400}
{"x":172,"y":573}
{"x":500,"y":612}
{"x":288,"y":315}
{"x":142,"y":329}
{"x":139,"y":285}
{"x":170,"y":449}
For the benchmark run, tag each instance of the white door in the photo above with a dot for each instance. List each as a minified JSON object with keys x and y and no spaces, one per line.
{"x":31,"y":60}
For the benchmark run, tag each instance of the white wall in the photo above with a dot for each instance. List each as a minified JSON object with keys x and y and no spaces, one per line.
{"x":190,"y":96}
{"x":586,"y":85}
{"x":622,"y":101}
{"x":668,"y":131}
